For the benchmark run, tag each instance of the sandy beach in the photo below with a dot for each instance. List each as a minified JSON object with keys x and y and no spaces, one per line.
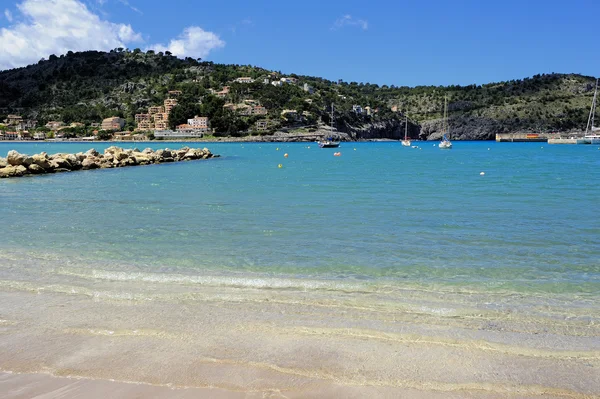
{"x":279,"y":339}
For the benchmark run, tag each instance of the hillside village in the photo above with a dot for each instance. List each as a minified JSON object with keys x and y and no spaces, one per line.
{"x":155,"y":123}
{"x":134,"y":95}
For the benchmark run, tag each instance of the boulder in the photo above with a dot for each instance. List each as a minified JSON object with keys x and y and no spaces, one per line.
{"x":3,"y":163}
{"x":13,"y":171}
{"x":58,"y":162}
{"x":90,"y":163}
{"x":14,"y":158}
{"x":147,"y":151}
{"x":36,"y":169}
{"x":93,"y":153}
{"x":72,"y":159}
{"x":41,"y":160}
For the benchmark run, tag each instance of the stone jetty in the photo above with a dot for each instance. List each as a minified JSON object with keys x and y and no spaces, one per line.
{"x":16,"y":164}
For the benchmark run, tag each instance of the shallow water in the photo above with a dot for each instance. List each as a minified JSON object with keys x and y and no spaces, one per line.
{"x":384,"y":248}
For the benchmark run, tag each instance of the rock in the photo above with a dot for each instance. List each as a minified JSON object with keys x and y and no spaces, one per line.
{"x":3,"y":163}
{"x":59,"y":170}
{"x":13,"y":171}
{"x":14,"y":158}
{"x":147,"y":151}
{"x":41,"y":160}
{"x":72,"y":159}
{"x":36,"y":169}
{"x":90,"y":163}
{"x":59,"y":163}
{"x":93,"y":153}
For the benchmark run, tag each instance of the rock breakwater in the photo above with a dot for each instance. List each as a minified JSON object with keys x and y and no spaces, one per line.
{"x":16,"y":164}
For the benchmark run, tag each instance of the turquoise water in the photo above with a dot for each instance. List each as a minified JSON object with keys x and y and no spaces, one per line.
{"x":378,"y":213}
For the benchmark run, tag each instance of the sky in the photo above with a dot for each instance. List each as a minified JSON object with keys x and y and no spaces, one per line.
{"x":402,"y":43}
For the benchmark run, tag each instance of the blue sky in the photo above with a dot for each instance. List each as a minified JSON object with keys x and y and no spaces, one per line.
{"x":385,"y":42}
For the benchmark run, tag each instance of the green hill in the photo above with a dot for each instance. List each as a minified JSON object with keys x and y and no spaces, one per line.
{"x":89,"y":86}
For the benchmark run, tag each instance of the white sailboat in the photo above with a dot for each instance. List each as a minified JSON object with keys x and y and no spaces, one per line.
{"x":591,"y":137}
{"x":406,"y":141}
{"x":329,"y":142}
{"x":445,"y":144}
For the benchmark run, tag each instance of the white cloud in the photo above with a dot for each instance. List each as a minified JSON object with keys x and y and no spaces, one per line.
{"x":348,"y":20}
{"x":55,"y":27}
{"x":126,"y":3}
{"x":193,"y":42}
{"x":8,"y":15}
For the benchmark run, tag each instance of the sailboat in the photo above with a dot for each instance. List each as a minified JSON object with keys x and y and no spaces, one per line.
{"x":329,"y":142}
{"x":592,"y":138}
{"x":406,"y":141}
{"x":445,"y":144}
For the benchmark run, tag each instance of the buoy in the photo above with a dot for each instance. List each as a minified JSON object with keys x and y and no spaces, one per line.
{"x":308,"y":147}
{"x":337,"y":154}
{"x":277,"y":148}
{"x":285,"y":155}
{"x":482,"y":174}
{"x":488,"y":149}
{"x":355,"y":149}
{"x":280,"y":166}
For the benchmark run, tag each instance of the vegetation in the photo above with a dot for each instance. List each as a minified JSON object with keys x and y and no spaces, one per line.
{"x":89,"y":86}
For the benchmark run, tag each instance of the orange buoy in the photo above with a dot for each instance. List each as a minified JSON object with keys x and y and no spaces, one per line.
{"x":337,"y":154}
{"x":285,"y":155}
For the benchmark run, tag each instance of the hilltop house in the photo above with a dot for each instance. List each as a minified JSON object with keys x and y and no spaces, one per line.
{"x":244,"y":80}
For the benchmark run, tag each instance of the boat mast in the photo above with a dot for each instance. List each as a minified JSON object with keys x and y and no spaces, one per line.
{"x":592,"y":111}
{"x":332,"y":120}
{"x":445,"y":123}
{"x":405,"y":127}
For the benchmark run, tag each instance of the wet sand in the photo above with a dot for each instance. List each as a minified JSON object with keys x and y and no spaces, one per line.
{"x":288,"y":338}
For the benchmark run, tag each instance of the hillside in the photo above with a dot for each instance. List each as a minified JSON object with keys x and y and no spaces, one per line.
{"x":89,"y":86}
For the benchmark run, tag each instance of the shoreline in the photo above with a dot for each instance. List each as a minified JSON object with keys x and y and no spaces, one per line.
{"x":244,"y":335}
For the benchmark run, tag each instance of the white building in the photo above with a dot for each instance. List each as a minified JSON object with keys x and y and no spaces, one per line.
{"x":182,"y":133}
{"x":198,"y":123}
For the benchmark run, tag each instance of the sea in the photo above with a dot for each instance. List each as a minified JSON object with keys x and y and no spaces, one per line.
{"x":487,"y":245}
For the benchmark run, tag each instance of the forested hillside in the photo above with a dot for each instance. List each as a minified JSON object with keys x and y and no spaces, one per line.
{"x":89,"y":86}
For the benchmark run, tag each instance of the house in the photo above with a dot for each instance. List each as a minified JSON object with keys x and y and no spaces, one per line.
{"x":13,"y":120}
{"x":262,"y":125}
{"x":198,"y":123}
{"x":244,"y":80}
{"x":24,"y":136}
{"x":39,"y":136}
{"x":289,"y":114}
{"x":229,"y":106}
{"x":357,"y":109}
{"x":174,"y":93}
{"x":223,"y":93}
{"x":26,"y":124}
{"x":76,"y":124}
{"x":169,"y":104}
{"x":266,"y":81}
{"x":308,"y":89}
{"x":289,"y":80}
{"x":394,"y":108}
{"x":277,"y":83}
{"x":243,"y":109}
{"x":113,"y":123}
{"x":368,"y":111}
{"x":11,"y":135}
{"x":54,"y":125}
{"x":259,"y":110}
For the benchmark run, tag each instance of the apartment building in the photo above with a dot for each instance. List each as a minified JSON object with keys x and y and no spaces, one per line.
{"x":169,"y":104}
{"x":114,"y":123}
{"x":244,"y":80}
{"x":198,"y":123}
